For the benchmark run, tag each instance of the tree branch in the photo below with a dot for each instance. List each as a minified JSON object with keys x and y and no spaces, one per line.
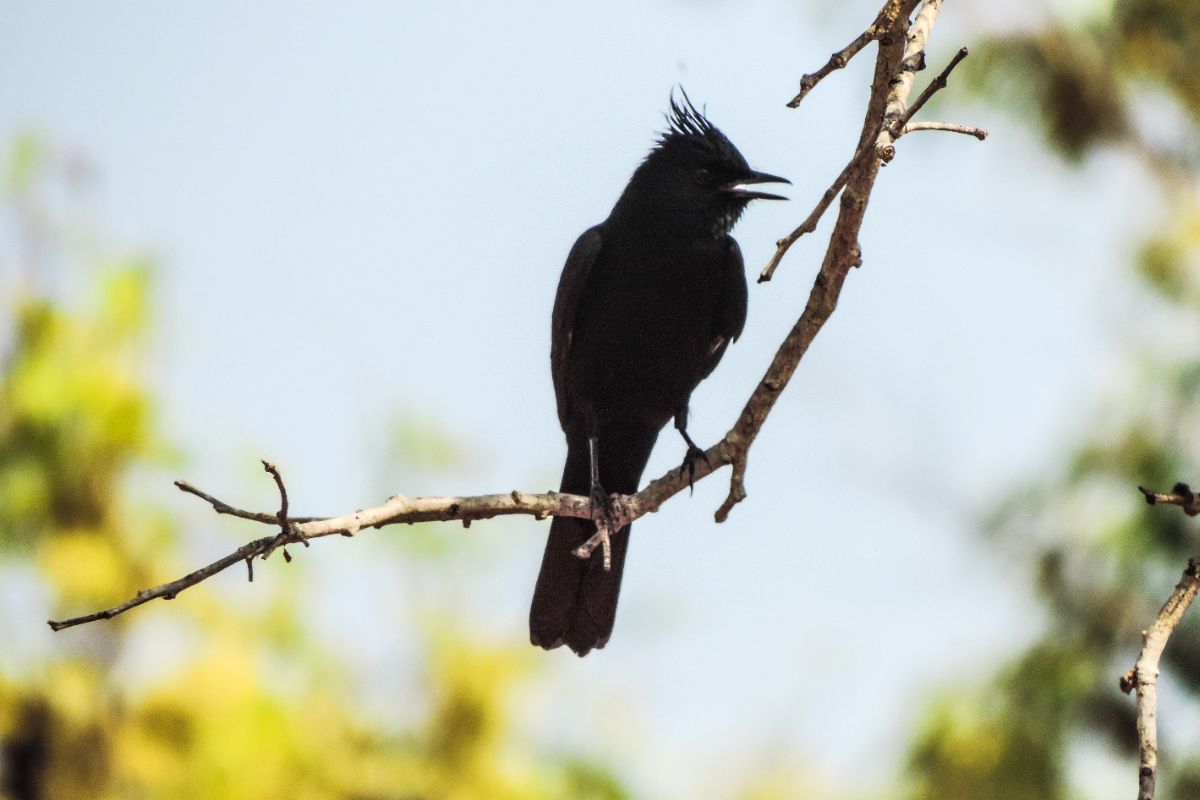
{"x":978,"y":133}
{"x":936,"y":85}
{"x":900,"y":49}
{"x":838,"y":60}
{"x":398,"y":510}
{"x":1180,"y":495}
{"x":871,"y":145}
{"x":224,"y":508}
{"x":810,"y":222}
{"x":914,"y":61}
{"x":1144,"y":675}
{"x":883,"y":24}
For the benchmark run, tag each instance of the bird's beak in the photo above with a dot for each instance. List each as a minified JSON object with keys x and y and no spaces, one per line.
{"x":736,"y":187}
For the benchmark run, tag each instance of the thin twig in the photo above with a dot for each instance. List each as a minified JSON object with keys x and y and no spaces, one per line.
{"x":168,"y":591}
{"x":1180,"y":495}
{"x":224,"y":508}
{"x":883,"y":25}
{"x":1144,"y":675}
{"x":936,"y":85}
{"x":810,"y":222}
{"x":286,"y":529}
{"x":282,"y":516}
{"x":978,"y":133}
{"x":836,"y":61}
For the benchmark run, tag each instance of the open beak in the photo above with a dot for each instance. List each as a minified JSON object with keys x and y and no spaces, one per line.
{"x":737,"y":189}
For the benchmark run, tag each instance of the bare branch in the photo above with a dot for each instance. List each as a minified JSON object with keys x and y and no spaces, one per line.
{"x":914,"y":60}
{"x":978,"y":133}
{"x":1181,"y":495}
{"x":936,"y":85}
{"x":407,"y":510}
{"x":286,"y":529}
{"x":884,"y":23}
{"x":889,"y":93}
{"x":1144,"y":675}
{"x":810,"y":222}
{"x":836,"y":61}
{"x":168,"y":591}
{"x":224,"y":508}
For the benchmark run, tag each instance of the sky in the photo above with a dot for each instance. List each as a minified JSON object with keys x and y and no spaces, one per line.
{"x":359,"y":215}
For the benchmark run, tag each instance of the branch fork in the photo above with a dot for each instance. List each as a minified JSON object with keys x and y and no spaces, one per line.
{"x":1143,"y":677}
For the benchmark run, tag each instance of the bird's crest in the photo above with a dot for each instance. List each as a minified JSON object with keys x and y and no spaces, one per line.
{"x":685,"y":119}
{"x":686,"y":123}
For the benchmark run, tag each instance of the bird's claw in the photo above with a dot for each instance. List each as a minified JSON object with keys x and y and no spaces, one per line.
{"x":604,"y":514}
{"x":602,"y":505}
{"x":602,"y":538}
{"x":690,"y":458}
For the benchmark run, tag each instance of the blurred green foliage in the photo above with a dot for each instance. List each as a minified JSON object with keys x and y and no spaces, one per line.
{"x":1102,"y":561}
{"x":1083,"y":82}
{"x":1061,"y":78}
{"x":75,"y":416}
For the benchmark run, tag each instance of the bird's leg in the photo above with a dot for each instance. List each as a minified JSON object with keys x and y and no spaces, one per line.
{"x":602,"y":510}
{"x":693,"y":453}
{"x":601,"y":502}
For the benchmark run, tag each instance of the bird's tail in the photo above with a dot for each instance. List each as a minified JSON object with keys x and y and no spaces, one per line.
{"x":575,"y":600}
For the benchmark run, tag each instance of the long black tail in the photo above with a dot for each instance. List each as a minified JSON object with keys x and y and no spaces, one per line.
{"x":575,"y":601}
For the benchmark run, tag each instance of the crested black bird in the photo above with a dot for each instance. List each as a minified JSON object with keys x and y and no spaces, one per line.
{"x":647,"y":303}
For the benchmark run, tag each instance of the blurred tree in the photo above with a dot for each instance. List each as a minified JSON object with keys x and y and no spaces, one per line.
{"x":75,"y":417}
{"x":1103,"y":561}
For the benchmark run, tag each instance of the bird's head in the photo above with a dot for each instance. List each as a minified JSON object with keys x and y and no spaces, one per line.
{"x":695,"y":172}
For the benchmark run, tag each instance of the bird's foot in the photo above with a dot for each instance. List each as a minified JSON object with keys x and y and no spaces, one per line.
{"x":602,"y":504}
{"x":693,"y":456}
{"x":604,"y":514}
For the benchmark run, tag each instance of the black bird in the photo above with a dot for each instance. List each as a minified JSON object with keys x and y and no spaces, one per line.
{"x":647,"y":303}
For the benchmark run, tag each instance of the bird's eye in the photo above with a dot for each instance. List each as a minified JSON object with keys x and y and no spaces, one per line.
{"x":702,"y":176}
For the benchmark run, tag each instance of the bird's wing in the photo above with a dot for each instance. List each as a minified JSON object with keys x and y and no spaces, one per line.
{"x":731,"y":308}
{"x":566,"y":304}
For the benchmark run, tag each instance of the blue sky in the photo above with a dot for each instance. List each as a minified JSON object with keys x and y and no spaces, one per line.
{"x":363,"y":213}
